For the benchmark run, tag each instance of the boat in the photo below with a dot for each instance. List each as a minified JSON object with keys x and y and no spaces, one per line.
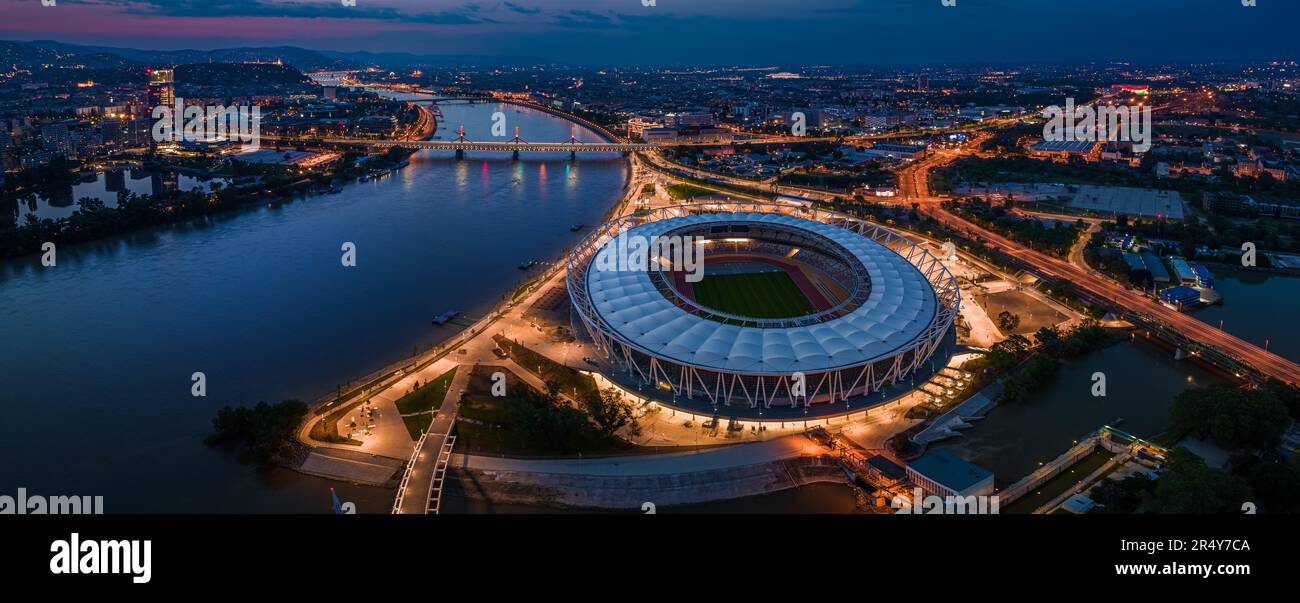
{"x":445,"y":317}
{"x":577,"y":227}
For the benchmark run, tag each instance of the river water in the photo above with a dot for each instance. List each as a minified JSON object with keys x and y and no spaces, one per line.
{"x":1257,"y":307}
{"x":98,"y":351}
{"x":1141,"y":382}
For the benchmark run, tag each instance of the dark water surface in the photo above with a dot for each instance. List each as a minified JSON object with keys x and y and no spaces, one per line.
{"x":96,"y":353}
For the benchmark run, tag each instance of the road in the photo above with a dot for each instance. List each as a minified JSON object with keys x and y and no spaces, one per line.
{"x":917,"y":178}
{"x":424,"y":467}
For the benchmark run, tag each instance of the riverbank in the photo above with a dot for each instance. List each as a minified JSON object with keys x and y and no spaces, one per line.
{"x":258,"y":301}
{"x":629,"y":493}
{"x":98,"y":220}
{"x":468,"y":344}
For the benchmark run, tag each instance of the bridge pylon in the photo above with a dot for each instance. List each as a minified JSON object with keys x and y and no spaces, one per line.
{"x":517,"y":140}
{"x":573,"y":139}
{"x":460,"y":153}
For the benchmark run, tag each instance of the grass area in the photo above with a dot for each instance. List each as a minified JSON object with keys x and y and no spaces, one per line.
{"x":418,"y":407}
{"x":327,"y":428}
{"x":753,"y":295}
{"x":416,"y":424}
{"x":1062,"y":482}
{"x":428,"y":396}
{"x":571,"y":382}
{"x":687,"y":191}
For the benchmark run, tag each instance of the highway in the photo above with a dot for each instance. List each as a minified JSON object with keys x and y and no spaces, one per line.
{"x":916,"y":178}
{"x":914,"y":188}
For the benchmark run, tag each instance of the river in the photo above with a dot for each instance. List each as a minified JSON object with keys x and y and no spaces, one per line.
{"x":1141,"y":382}
{"x":98,"y":351}
{"x":1258,"y":308}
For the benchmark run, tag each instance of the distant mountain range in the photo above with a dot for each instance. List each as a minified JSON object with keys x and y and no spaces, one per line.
{"x":34,"y":54}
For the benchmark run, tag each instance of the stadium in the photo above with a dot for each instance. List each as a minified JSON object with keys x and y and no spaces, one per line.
{"x":798,"y":308}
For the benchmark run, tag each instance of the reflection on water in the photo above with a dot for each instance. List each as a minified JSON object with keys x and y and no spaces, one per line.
{"x":1257,"y":307}
{"x":98,"y":352}
{"x":60,"y":201}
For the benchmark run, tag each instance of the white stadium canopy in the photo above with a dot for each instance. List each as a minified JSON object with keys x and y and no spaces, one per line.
{"x":899,"y":310}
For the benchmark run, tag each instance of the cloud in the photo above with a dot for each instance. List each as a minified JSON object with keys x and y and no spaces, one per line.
{"x":467,"y":14}
{"x":586,"y":19}
{"x":523,"y":10}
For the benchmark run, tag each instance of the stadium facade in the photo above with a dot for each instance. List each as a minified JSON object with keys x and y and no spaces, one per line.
{"x":883,"y":305}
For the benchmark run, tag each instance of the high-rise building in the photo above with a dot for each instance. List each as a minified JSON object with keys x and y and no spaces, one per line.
{"x":923,"y":83}
{"x":112,"y":132}
{"x":688,"y":118}
{"x":56,"y":137}
{"x":162,"y":88}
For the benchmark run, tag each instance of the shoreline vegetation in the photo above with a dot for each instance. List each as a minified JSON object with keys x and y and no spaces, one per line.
{"x":264,"y":432}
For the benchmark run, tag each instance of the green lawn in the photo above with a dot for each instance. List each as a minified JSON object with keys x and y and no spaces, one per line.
{"x":753,"y":295}
{"x":687,"y":191}
{"x":327,"y":428}
{"x":571,"y":382}
{"x":416,"y":424}
{"x":428,"y":397}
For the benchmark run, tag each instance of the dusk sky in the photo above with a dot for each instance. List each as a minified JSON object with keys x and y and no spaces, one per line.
{"x":688,"y":31}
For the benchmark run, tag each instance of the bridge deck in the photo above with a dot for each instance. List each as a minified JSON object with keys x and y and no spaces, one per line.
{"x":414,"y":497}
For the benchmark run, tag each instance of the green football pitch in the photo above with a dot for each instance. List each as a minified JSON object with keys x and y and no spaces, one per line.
{"x":753,"y":295}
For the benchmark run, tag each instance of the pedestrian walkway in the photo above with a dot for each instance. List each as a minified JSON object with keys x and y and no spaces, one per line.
{"x":423,"y":471}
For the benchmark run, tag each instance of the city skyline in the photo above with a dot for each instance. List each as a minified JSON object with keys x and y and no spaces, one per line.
{"x":672,"y":33}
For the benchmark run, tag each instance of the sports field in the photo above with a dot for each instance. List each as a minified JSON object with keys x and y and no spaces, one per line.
{"x":753,"y":295}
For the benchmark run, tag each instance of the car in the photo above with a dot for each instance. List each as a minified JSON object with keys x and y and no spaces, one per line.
{"x":500,"y":353}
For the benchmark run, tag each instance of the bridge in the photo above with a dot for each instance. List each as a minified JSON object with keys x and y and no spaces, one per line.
{"x":516,"y":145}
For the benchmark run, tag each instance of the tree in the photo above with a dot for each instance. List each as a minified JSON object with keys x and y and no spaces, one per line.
{"x":1276,"y":484}
{"x":266,"y":430}
{"x":1008,"y":321}
{"x":1123,"y":496}
{"x":1233,"y":417}
{"x":609,"y":412}
{"x":1189,"y":486}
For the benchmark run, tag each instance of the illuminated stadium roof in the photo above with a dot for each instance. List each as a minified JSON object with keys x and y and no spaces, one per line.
{"x":901,"y":306}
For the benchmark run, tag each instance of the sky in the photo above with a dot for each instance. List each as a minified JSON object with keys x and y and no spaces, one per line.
{"x":678,"y":32}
